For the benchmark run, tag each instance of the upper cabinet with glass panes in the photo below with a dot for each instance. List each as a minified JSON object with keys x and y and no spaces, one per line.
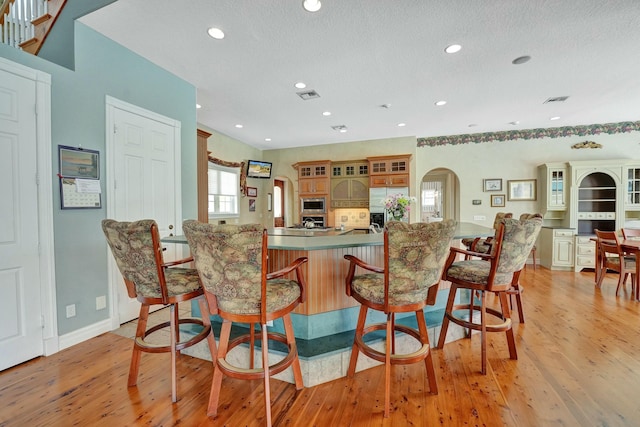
{"x":553,"y":186}
{"x":632,"y":187}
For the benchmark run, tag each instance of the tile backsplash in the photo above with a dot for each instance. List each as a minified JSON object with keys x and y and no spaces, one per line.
{"x":352,"y":217}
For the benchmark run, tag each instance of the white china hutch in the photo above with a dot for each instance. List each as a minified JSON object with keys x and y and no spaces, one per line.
{"x":578,"y":197}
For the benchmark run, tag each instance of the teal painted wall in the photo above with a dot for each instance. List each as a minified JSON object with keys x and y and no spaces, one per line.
{"x":102,"y":68}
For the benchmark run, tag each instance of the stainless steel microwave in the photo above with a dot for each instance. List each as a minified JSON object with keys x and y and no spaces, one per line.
{"x":315,"y":205}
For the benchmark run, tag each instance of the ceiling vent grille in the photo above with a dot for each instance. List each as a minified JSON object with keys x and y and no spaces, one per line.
{"x":308,"y":94}
{"x":339,"y":128}
{"x":556,"y":99}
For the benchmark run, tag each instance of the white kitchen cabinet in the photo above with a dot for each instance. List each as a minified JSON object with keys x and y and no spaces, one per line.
{"x":585,"y":252}
{"x":556,"y":248}
{"x":553,"y":186}
{"x":632,"y":187}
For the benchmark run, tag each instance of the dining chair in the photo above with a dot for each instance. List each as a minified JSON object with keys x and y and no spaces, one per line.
{"x":232,"y":262}
{"x":496,"y":272}
{"x":483,"y":244}
{"x":612,"y":257}
{"x":414,"y":255}
{"x":631,"y":233}
{"x":138,"y":253}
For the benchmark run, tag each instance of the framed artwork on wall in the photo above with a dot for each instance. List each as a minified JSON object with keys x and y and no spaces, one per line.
{"x":492,"y":184}
{"x":497,"y":200}
{"x":522,"y":189}
{"x":252,"y":191}
{"x":252,"y":205}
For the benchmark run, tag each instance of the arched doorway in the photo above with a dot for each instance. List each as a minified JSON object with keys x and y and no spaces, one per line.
{"x":439,"y":195}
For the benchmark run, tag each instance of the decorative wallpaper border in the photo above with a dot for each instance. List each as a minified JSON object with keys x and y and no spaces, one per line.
{"x":607,"y":128}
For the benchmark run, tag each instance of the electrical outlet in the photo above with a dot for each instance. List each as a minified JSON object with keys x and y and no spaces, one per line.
{"x":101,"y":302}
{"x":479,"y":218}
{"x":71,"y":310}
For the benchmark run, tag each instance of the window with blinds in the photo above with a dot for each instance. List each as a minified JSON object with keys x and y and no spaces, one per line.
{"x":223,"y":191}
{"x":432,"y":198}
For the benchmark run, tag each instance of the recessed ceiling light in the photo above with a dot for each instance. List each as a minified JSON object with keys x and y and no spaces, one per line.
{"x":326,"y":113}
{"x":521,"y":60}
{"x":239,"y":126}
{"x":453,"y":48}
{"x":300,"y":85}
{"x":441,"y":103}
{"x":216,"y":33}
{"x":339,"y":128}
{"x":198,"y":106}
{"x":401,"y":124}
{"x":311,"y":5}
{"x":385,"y":106}
{"x":268,"y":139}
{"x":554,"y":118}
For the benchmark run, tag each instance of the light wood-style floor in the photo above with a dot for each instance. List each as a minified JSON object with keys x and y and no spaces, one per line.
{"x":579,"y":365}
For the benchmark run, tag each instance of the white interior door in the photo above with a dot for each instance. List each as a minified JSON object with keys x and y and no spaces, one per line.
{"x":21,"y":335}
{"x":145,"y":176}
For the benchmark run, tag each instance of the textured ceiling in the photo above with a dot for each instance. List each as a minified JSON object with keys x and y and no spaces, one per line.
{"x":360,"y":54}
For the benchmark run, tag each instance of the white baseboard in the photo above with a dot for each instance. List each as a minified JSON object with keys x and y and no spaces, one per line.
{"x":83,"y":334}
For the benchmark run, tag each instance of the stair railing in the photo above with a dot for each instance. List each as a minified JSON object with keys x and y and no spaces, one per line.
{"x":16,"y":20}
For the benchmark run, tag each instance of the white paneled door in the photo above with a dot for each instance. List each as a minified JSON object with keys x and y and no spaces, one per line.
{"x":144,"y":178}
{"x":21,"y":322}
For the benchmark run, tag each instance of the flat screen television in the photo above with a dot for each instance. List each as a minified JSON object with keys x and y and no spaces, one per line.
{"x":258,"y":169}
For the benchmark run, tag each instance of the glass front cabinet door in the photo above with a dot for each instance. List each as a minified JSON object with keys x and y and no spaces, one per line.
{"x":632,"y":199}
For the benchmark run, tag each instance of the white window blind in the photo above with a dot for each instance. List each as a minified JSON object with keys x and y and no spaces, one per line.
{"x":223,"y":191}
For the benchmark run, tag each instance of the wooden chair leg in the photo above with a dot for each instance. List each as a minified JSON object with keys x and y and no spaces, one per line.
{"x":173,"y":328}
{"x":393,"y":333}
{"x":533,"y":255}
{"x":353,"y":360}
{"x":445,"y":319}
{"x":483,"y":331}
{"x":513,"y":354}
{"x":135,"y":356}
{"x":291,"y":339}
{"x":176,"y":319}
{"x":518,"y":294}
{"x":621,"y":279}
{"x":387,"y":365}
{"x":252,"y":346}
{"x":428,"y":361}
{"x":206,"y":319}
{"x":472,"y":297}
{"x":265,"y":367}
{"x":216,"y":383}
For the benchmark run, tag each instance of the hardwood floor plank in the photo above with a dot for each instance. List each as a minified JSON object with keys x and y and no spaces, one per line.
{"x":578,"y":364}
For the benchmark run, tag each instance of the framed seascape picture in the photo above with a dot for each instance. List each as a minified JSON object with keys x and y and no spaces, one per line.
{"x":497,"y":200}
{"x":522,"y":189}
{"x":252,"y":192}
{"x":78,"y":162}
{"x":493,"y":184}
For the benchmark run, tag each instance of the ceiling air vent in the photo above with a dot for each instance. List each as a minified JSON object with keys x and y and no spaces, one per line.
{"x":556,"y":99}
{"x":339,"y":128}
{"x":308,"y":94}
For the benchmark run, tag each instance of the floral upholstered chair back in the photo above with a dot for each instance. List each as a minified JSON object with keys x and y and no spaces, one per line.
{"x":229,"y":260}
{"x":132,"y":246}
{"x":417,"y":253}
{"x":517,"y":242}
{"x":499,"y":217}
